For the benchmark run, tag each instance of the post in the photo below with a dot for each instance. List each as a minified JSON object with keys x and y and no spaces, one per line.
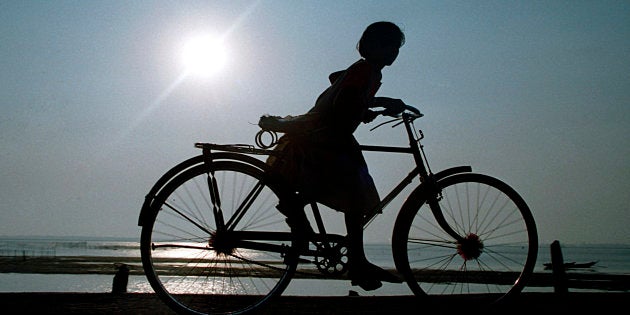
{"x":121,"y":278}
{"x":557,"y":264}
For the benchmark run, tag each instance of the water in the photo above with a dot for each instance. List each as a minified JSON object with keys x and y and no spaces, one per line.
{"x":34,"y":247}
{"x":612,"y":259}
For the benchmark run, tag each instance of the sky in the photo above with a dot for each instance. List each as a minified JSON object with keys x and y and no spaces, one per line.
{"x":95,"y":102}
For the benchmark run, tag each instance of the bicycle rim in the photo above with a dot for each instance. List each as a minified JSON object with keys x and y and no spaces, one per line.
{"x":496,"y":256}
{"x":191,"y":266}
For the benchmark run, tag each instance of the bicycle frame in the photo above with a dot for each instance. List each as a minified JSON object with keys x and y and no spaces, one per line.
{"x":242,"y":153}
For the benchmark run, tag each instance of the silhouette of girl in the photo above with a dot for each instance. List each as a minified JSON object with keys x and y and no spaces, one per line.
{"x":322,"y":161}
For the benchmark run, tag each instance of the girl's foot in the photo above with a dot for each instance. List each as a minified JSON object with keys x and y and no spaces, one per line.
{"x":369,"y":276}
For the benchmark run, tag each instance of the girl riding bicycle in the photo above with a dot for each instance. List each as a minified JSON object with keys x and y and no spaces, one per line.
{"x":325,"y":164}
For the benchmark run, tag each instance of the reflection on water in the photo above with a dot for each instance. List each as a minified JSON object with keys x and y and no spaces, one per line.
{"x":11,"y":282}
{"x":16,"y":282}
{"x":195,"y":268}
{"x":200,"y":250}
{"x":208,"y":285}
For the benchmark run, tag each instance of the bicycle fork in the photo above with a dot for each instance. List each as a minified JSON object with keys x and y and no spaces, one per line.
{"x":434,"y":195}
{"x":468,"y":246}
{"x":213,"y":190}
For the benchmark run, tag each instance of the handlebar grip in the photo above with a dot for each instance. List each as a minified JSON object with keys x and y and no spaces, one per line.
{"x":413,"y":110}
{"x":407,"y":108}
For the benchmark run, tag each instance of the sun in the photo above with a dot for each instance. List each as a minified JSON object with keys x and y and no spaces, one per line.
{"x":204,"y":55}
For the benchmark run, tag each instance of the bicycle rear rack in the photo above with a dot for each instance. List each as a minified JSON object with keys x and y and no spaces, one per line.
{"x":237,"y":148}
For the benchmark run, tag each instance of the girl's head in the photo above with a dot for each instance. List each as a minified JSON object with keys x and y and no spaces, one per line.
{"x":380,"y":42}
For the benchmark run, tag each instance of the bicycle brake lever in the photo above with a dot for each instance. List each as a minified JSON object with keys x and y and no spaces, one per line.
{"x":385,"y":123}
{"x":396,"y":124}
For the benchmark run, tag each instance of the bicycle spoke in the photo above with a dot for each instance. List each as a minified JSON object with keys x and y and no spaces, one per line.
{"x":188,"y":219}
{"x":446,"y":244}
{"x":167,"y":245}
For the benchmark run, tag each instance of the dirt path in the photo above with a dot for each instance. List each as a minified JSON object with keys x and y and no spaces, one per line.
{"x":134,"y":303}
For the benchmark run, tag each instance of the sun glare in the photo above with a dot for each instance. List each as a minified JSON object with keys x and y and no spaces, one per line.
{"x":204,"y":55}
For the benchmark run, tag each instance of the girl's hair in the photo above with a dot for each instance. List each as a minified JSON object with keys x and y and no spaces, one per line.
{"x":380,"y":34}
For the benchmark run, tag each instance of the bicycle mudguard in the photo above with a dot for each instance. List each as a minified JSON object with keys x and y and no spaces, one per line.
{"x":452,"y":171}
{"x":181,"y":167}
{"x":422,"y":188}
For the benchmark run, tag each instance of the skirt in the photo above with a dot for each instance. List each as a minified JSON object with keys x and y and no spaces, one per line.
{"x":332,"y":174}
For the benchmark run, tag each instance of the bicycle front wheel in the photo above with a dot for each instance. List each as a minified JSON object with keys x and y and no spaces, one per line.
{"x":497,"y":246}
{"x":214,"y":242}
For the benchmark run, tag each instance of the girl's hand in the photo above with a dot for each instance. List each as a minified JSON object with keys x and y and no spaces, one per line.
{"x":370,"y":115}
{"x":393,"y":106}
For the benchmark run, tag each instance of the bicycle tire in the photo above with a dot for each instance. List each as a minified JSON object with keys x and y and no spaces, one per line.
{"x":497,"y":255}
{"x":187,"y":266}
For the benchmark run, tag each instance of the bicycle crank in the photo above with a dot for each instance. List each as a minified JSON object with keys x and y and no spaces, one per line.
{"x":331,"y":258}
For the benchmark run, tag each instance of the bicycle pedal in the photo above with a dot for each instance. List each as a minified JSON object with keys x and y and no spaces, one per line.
{"x":367,"y":284}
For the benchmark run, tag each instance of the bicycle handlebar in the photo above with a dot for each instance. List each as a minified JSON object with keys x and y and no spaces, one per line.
{"x":409,"y":110}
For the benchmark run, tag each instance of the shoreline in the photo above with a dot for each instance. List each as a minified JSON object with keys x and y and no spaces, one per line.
{"x":145,"y":303}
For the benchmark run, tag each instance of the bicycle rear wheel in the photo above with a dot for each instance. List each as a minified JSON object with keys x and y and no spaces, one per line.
{"x":496,"y":255}
{"x":192,"y":252}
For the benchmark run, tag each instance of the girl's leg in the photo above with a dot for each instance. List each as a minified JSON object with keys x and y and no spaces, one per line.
{"x":293,"y":208}
{"x":361,"y":272}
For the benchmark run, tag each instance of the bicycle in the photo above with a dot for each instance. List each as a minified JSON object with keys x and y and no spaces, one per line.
{"x":213,"y":242}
